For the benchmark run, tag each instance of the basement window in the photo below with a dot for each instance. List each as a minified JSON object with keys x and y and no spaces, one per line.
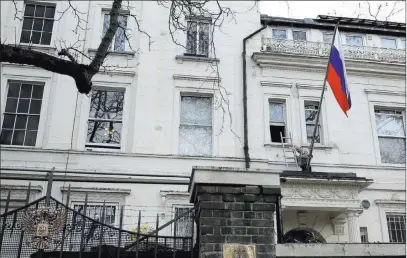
{"x":277,"y":120}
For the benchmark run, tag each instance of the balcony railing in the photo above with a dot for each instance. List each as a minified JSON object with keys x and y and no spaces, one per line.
{"x":322,"y":49}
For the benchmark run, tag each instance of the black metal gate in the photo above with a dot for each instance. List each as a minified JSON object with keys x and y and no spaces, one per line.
{"x":47,"y":228}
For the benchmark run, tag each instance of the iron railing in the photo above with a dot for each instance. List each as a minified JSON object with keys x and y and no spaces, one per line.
{"x":322,"y":49}
{"x":48,"y":228}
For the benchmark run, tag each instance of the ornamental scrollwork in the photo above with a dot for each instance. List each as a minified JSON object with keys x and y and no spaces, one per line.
{"x":323,"y":49}
{"x":42,"y":225}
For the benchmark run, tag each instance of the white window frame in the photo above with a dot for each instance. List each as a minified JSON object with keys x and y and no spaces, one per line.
{"x":199,"y":21}
{"x":354,"y":35}
{"x":282,"y":101}
{"x":94,"y":203}
{"x":402,"y":115}
{"x":397,"y":214}
{"x":21,"y":6}
{"x":278,"y":28}
{"x":364,"y":233}
{"x":388,"y":206}
{"x":390,"y":38}
{"x":322,"y":121}
{"x":401,"y":44}
{"x":379,"y":104}
{"x":176,"y":206}
{"x":89,"y":145}
{"x":30,"y":75}
{"x":326,"y":33}
{"x":200,"y":95}
{"x":82,"y":123}
{"x":300,"y":30}
{"x":126,"y":43}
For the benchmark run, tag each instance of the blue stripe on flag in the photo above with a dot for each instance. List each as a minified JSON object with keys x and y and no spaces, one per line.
{"x":337,"y":64}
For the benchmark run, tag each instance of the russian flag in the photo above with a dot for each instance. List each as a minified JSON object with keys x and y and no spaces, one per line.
{"x":336,"y":75}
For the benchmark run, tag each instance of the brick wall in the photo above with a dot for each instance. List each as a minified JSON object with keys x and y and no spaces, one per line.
{"x":237,"y":215}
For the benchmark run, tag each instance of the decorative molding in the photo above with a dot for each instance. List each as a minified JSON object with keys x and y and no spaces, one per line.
{"x":276,"y":84}
{"x":339,"y":226}
{"x":391,"y":204}
{"x":299,"y":62}
{"x":332,"y":194}
{"x":115,"y":191}
{"x":174,"y":195}
{"x":322,"y":49}
{"x":302,"y":219}
{"x":385,"y":92}
{"x":182,"y":58}
{"x":128,"y":54}
{"x":33,"y":188}
{"x":308,"y":87}
{"x":196,"y":78}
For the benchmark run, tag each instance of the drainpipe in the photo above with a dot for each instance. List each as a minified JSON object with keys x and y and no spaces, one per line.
{"x":245,"y":126}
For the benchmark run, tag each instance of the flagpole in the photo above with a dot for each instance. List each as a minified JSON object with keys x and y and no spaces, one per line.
{"x":320,"y":104}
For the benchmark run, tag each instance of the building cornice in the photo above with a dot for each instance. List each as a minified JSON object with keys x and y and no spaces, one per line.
{"x":110,"y":191}
{"x":299,"y":62}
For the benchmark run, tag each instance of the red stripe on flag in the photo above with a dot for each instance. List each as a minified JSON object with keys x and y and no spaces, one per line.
{"x":334,"y":81}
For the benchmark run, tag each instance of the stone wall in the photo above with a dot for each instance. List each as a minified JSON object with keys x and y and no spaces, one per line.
{"x":236,"y":215}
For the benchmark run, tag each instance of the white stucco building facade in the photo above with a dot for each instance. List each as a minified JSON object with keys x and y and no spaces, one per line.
{"x":157,"y":139}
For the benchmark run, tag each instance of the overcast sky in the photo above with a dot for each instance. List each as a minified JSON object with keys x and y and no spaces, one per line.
{"x":311,"y":9}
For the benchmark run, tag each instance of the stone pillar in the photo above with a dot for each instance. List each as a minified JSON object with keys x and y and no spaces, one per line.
{"x":235,"y":213}
{"x":230,"y":214}
{"x":353,"y":225}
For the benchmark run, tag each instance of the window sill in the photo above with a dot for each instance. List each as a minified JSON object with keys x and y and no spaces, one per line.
{"x":182,"y":58}
{"x":36,"y":47}
{"x":128,"y":54}
{"x":277,"y":144}
{"x":319,"y":146}
{"x":99,"y":149}
{"x":4,"y":146}
{"x":391,"y":165}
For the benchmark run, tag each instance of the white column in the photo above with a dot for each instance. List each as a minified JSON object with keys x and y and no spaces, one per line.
{"x":353,"y":225}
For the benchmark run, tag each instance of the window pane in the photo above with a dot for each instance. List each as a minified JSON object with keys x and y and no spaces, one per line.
{"x":5,"y":137}
{"x":310,"y":133}
{"x":35,"y":37}
{"x":196,"y":110}
{"x":184,"y":224}
{"x":37,"y":91}
{"x":191,"y":37}
{"x":18,"y":137}
{"x":48,"y":24}
{"x":310,"y":116}
{"x":195,"y":140}
{"x":13,"y":89}
{"x":104,"y":132}
{"x":30,"y":138}
{"x":107,"y":104}
{"x":392,"y":150}
{"x":50,"y":12}
{"x":35,"y":107}
{"x":39,"y":11}
{"x":33,"y":122}
{"x":25,"y":91}
{"x":120,"y":40}
{"x":391,"y":125}
{"x":280,"y":34}
{"x":106,"y":21}
{"x":25,"y":36}
{"x":11,"y":105}
{"x":8,"y":121}
{"x":27,"y":24}
{"x":403,"y":44}
{"x":46,"y":38}
{"x":354,"y":40}
{"x":389,"y":43}
{"x":38,"y":24}
{"x":328,"y":38}
{"x":23,"y":105}
{"x":299,"y":35}
{"x":29,"y":10}
{"x":276,"y":111}
{"x":21,"y":122}
{"x":203,"y":39}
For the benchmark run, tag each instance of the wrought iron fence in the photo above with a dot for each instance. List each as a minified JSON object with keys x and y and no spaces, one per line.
{"x":49,"y":228}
